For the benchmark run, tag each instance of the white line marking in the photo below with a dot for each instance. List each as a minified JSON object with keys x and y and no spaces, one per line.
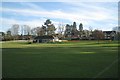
{"x":106,"y":69}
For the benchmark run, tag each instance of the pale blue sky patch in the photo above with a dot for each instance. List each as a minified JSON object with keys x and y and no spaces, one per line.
{"x":60,"y":0}
{"x":98,"y":15}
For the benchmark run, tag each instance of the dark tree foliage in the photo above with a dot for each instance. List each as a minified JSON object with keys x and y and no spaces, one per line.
{"x":81,"y":27}
{"x":50,"y":27}
{"x":47,"y":22}
{"x":74,"y":25}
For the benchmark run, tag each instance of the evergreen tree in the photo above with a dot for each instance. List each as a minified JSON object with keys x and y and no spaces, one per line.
{"x":81,"y":27}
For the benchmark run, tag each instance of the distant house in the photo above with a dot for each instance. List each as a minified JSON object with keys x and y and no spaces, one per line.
{"x":44,"y":39}
{"x":109,"y":35}
{"x":75,"y":37}
{"x":24,"y":37}
{"x":55,"y":39}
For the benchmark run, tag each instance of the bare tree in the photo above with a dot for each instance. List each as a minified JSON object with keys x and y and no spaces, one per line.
{"x":34,"y":31}
{"x":98,"y":35}
{"x":90,"y":29}
{"x":25,"y":29}
{"x":90,"y":33}
{"x":15,"y":29}
{"x":38,"y":29}
{"x":60,"y":30}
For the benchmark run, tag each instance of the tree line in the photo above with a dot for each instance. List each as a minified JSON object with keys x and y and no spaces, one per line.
{"x":68,"y":31}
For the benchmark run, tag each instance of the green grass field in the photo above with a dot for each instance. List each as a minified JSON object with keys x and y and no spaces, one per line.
{"x":83,"y":59}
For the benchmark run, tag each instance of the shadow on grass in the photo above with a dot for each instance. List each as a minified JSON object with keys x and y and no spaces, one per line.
{"x":66,"y":62}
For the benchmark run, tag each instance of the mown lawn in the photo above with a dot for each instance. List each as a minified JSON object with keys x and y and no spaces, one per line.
{"x":83,"y":59}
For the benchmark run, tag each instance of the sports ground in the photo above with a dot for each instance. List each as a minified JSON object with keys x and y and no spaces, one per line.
{"x":72,"y":59}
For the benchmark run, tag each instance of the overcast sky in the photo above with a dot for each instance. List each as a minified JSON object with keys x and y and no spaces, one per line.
{"x":98,"y":15}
